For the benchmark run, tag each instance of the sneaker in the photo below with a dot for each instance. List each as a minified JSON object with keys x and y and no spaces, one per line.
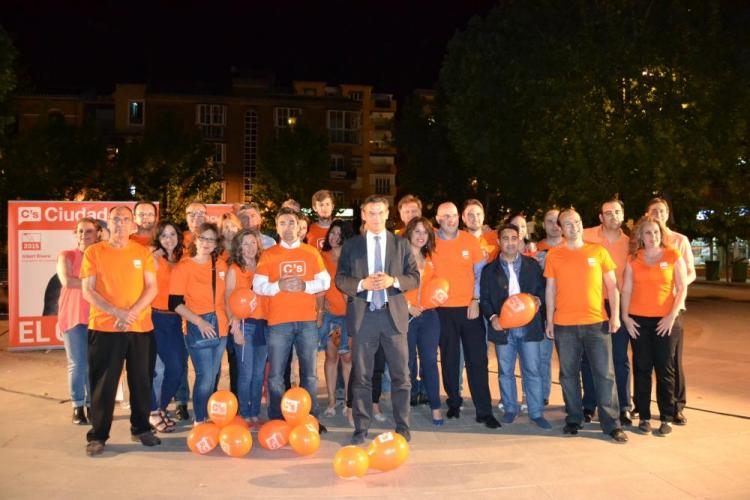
{"x":500,"y":406}
{"x":664,"y":429}
{"x":524,"y":407}
{"x":380,"y":417}
{"x":619,"y":436}
{"x":146,"y":438}
{"x":508,"y":418}
{"x":542,"y":423}
{"x":645,"y":426}
{"x":94,"y":448}
{"x":79,"y":417}
{"x":680,"y":419}
{"x":571,"y":428}
{"x":588,"y":416}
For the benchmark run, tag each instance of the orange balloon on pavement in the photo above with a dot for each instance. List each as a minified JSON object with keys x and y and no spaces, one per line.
{"x":310,"y":420}
{"x":388,"y":451}
{"x":238,"y":420}
{"x":351,"y":462}
{"x":518,"y":310}
{"x":242,"y":302}
{"x":222,"y":407}
{"x":203,"y":438}
{"x":304,"y":439}
{"x":296,"y":405}
{"x":435,"y":293}
{"x":274,"y":434}
{"x":235,"y":440}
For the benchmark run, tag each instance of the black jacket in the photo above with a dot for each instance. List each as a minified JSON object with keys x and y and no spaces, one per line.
{"x":494,"y":292}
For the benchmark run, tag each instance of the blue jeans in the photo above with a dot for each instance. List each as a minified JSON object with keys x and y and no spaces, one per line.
{"x":76,"y":349}
{"x":251,"y":366}
{"x":531,"y":358}
{"x":620,"y":342}
{"x":170,"y":348}
{"x":303,"y":335}
{"x":545,"y":368}
{"x":206,"y":356}
{"x":329,"y":323}
{"x":424,"y":338}
{"x":596,"y":342}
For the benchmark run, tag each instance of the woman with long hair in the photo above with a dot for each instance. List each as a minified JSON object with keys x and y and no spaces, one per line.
{"x":170,"y":344}
{"x":654,"y":289}
{"x":73,"y":317}
{"x":249,"y":334}
{"x":196,"y":293}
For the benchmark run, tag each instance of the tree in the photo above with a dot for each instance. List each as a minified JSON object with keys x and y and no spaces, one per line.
{"x":8,"y":81}
{"x":559,"y":103}
{"x":294,"y":164}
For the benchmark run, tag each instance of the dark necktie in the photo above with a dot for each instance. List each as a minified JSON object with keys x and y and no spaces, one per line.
{"x":378,"y":296}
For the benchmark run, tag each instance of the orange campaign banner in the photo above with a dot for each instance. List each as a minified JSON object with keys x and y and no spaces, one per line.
{"x":37,"y":232}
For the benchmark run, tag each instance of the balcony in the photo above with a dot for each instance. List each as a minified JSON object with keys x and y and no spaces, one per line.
{"x":343,"y":175}
{"x":382,"y":101}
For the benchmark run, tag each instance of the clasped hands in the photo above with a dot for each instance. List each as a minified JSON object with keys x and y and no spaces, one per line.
{"x":377,"y":281}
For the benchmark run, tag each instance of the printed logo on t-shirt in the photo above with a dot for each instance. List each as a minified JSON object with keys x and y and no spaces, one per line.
{"x":137,"y":263}
{"x":293,"y":268}
{"x":592,"y":261}
{"x":319,"y":243}
{"x":221,"y":275}
{"x":465,"y":254}
{"x":663,"y":265}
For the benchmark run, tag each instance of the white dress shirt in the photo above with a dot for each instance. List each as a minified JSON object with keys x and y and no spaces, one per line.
{"x":320,"y":282}
{"x":370,"y":239}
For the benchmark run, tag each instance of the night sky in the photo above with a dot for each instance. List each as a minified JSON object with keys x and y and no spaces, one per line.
{"x":396,"y":46}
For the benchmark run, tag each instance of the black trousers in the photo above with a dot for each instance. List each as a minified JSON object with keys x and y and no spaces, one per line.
{"x":107,"y":353}
{"x":456,"y":330}
{"x":377,"y":378}
{"x":680,"y":392}
{"x":655,"y":353}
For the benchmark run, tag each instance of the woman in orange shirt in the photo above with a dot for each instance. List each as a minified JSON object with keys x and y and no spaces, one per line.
{"x":229,"y":225}
{"x":196,"y":292}
{"x":249,"y":335}
{"x":334,"y":339}
{"x":424,"y":325}
{"x":170,"y":344}
{"x":654,"y":287}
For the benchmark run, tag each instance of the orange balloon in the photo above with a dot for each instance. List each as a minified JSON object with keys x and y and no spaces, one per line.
{"x":238,"y":420}
{"x":518,"y":310}
{"x":203,"y":438}
{"x":388,"y":451}
{"x":222,"y":407}
{"x":296,"y":405}
{"x":235,"y":440}
{"x":274,"y":434}
{"x":435,"y":293}
{"x":351,"y":462}
{"x":242,"y":302}
{"x":310,"y":420}
{"x":304,"y":439}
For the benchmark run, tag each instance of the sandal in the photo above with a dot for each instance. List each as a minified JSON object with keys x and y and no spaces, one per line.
{"x":330,"y":411}
{"x":160,"y":422}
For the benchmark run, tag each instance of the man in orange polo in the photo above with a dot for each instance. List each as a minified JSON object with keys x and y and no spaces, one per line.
{"x":473,"y":218}
{"x":658,"y":208}
{"x":118,"y":279}
{"x":577,"y":275}
{"x":323,"y":205}
{"x":409,"y":206}
{"x":145,"y":221}
{"x":610,"y":235}
{"x":459,"y":259}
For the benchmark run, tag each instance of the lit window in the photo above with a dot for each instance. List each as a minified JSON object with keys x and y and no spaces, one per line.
{"x":135,"y":113}
{"x":286,"y":117}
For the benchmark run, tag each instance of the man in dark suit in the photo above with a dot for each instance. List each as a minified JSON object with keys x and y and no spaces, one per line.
{"x":374,"y":270}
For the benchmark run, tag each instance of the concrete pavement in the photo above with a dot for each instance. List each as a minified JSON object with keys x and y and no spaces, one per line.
{"x":42,"y":454}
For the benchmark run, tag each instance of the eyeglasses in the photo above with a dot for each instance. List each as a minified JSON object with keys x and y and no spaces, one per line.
{"x":195,"y":215}
{"x":203,"y":239}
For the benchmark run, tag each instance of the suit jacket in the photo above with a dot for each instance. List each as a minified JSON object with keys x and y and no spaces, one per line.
{"x":352,"y":267}
{"x":494,"y":293}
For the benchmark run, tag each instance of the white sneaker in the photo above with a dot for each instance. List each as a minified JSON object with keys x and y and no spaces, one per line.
{"x":379,"y":417}
{"x":524,"y":407}
{"x":500,"y":406}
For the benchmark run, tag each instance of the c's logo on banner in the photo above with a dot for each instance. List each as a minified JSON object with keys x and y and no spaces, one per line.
{"x":29,"y":214}
{"x":293,"y":268}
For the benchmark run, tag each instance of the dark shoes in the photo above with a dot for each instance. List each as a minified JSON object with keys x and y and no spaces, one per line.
{"x":625,"y":418}
{"x":79,"y":416}
{"x":588,"y":415}
{"x":94,"y":448}
{"x":453,"y":412}
{"x":619,"y":436}
{"x":419,"y":399}
{"x":645,"y":426}
{"x":664,"y":429}
{"x":571,"y":429}
{"x":322,"y":429}
{"x":358,"y":437}
{"x":146,"y":439}
{"x":405,"y":433}
{"x":181,"y":413}
{"x":679,"y":419}
{"x":489,"y":421}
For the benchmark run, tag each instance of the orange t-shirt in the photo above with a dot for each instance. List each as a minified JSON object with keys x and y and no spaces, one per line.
{"x":316,"y":235}
{"x":490,"y":245}
{"x":193,"y":281}
{"x":143,"y":240}
{"x":163,"y":273}
{"x":417,"y":295}
{"x":334,"y":297}
{"x":187,"y":239}
{"x":653,"y":285}
{"x":617,"y":250}
{"x":304,"y":261}
{"x":578,"y":276}
{"x":244,"y":279}
{"x":543,"y":245}
{"x":120,"y":281}
{"x":454,"y":260}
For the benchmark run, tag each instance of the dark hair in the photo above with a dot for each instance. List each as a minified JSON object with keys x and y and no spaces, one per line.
{"x":510,"y":226}
{"x":207,"y":226}
{"x":409,"y":198}
{"x":565,"y":211}
{"x":346,"y":232}
{"x":236,"y":252}
{"x":156,"y":243}
{"x":286,"y":211}
{"x":614,"y":199}
{"x":654,"y":201}
{"x":97,"y":225}
{"x":428,"y":247}
{"x":138,"y":204}
{"x":375,"y":198}
{"x":508,"y":218}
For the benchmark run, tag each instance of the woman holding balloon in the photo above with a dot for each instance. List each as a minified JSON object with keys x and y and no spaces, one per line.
{"x":424,"y":325}
{"x":247,"y":322}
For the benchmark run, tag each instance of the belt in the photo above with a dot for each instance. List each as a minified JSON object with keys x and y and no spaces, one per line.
{"x":384,"y":308}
